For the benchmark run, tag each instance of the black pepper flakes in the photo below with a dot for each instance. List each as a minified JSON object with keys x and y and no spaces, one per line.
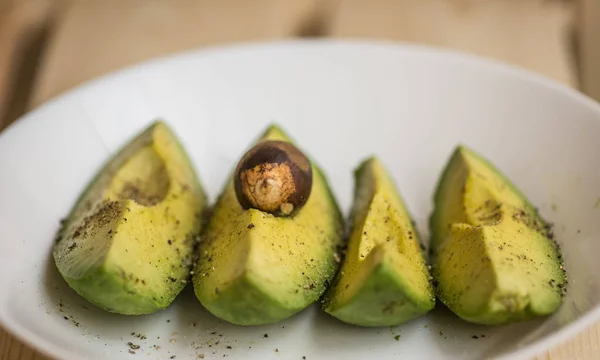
{"x":266,"y":335}
{"x":475,"y":337}
{"x":250,"y":226}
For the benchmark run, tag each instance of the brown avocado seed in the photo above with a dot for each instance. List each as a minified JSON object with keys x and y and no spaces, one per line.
{"x":274,"y":177}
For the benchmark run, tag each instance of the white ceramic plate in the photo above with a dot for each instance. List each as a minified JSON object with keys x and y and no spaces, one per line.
{"x":341,"y":101}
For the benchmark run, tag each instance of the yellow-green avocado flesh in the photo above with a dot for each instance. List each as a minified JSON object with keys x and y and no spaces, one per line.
{"x":127,"y":244}
{"x":255,"y":268}
{"x":384,"y":279}
{"x":493,"y":256}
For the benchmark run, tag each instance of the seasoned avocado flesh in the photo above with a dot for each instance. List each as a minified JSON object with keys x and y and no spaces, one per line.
{"x":255,"y":268}
{"x":127,"y":244}
{"x":494,"y":260}
{"x":384,"y":279}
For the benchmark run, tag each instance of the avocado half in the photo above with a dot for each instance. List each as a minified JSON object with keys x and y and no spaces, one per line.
{"x":127,"y":244}
{"x":255,"y":268}
{"x":384,"y":279}
{"x":494,"y":259}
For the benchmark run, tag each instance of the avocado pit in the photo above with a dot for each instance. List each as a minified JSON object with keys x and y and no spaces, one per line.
{"x":274,"y":177}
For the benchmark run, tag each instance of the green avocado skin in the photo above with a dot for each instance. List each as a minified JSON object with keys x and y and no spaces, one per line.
{"x":254,"y":268}
{"x":384,"y":279}
{"x":244,"y":303}
{"x":123,"y":255}
{"x":392,"y":305}
{"x":493,"y":257}
{"x":116,"y":295}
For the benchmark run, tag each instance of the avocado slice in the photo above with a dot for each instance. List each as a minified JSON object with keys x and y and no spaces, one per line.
{"x":384,"y":279}
{"x":494,"y":258}
{"x":127,"y":244}
{"x":255,"y":268}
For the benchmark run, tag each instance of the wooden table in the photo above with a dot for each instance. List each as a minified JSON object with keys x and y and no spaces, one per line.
{"x":105,"y":36}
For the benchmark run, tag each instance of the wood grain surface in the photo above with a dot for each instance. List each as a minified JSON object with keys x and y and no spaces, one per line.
{"x":588,"y":28}
{"x":531,"y":34}
{"x":95,"y":37}
{"x":92,"y":38}
{"x":22,"y":23}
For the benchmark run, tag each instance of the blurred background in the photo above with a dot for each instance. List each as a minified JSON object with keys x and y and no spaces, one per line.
{"x":48,"y":47}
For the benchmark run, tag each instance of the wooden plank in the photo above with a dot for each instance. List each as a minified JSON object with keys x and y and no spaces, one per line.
{"x":13,"y":349}
{"x":22,"y":26}
{"x":529,"y":33}
{"x":96,"y":37}
{"x":588,"y":28}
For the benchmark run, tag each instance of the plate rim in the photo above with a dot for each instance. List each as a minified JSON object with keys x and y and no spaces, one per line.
{"x":537,"y":347}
